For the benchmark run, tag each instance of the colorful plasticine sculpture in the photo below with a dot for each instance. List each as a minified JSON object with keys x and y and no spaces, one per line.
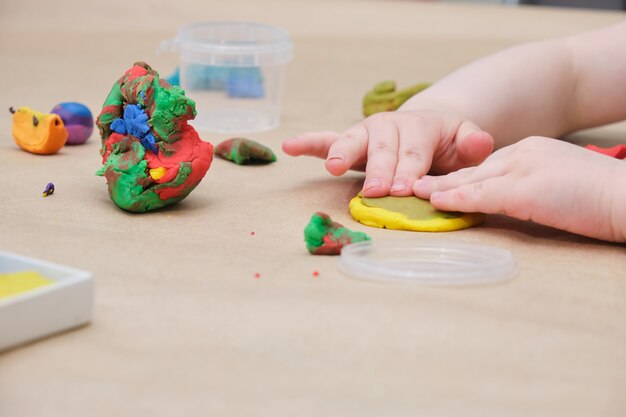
{"x":151,"y":156}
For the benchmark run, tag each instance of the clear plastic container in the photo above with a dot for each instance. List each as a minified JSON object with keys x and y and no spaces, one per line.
{"x":234,"y":72}
{"x":429,"y":261}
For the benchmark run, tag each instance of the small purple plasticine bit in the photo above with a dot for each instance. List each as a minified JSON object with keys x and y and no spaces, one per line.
{"x":49,"y":190}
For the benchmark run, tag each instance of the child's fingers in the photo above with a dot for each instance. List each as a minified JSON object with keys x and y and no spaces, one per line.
{"x":496,"y":165}
{"x":428,"y":184}
{"x":382,"y":156}
{"x":311,"y":143}
{"x":473,"y":145}
{"x":415,"y":153}
{"x":349,"y":151}
{"x":487,"y":196}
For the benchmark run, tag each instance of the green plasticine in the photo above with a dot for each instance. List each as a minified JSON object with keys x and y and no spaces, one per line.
{"x":183,"y":172}
{"x":170,"y":106}
{"x":114,"y":99}
{"x":245,"y":151}
{"x":326,"y":237}
{"x":412,"y":207}
{"x":314,"y":232}
{"x":128,"y":175}
{"x":181,"y":152}
{"x":129,"y":193}
{"x":384,"y":97}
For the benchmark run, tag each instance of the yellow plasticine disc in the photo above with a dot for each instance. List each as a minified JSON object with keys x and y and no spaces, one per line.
{"x":409,"y":213}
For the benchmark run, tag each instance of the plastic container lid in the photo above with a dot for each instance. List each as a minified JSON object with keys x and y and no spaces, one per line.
{"x":432,"y":262}
{"x":231,"y":44}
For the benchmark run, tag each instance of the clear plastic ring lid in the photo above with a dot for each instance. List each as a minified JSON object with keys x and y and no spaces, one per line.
{"x":430,"y":262}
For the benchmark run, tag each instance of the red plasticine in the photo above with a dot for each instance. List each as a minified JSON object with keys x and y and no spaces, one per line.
{"x":188,"y":147}
{"x":617,"y":151}
{"x":171,"y":147}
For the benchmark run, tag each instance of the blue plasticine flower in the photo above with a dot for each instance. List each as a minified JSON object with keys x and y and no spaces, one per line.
{"x":135,"y":123}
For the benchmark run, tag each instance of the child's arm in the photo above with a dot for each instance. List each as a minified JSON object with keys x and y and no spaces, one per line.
{"x":546,"y":88}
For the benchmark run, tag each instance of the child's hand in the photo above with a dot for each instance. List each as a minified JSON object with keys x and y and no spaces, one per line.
{"x":540,"y":179}
{"x":396,"y":148}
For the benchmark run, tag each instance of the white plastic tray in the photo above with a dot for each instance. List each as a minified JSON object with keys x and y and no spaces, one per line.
{"x":62,"y":305}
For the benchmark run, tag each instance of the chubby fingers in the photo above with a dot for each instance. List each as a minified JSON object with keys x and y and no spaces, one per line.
{"x":469,"y":146}
{"x":487,"y":188}
{"x":496,"y":165}
{"x":428,"y":184}
{"x":487,"y":196}
{"x":341,"y":151}
{"x":400,"y":149}
{"x":416,"y":141}
{"x":311,"y":143}
{"x":473,"y":145}
{"x":466,"y":190}
{"x":349,"y":151}
{"x":382,"y":155}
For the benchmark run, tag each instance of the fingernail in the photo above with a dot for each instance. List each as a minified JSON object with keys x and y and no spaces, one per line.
{"x":336,"y":155}
{"x":398,"y":186}
{"x":372,"y":183}
{"x":436,"y":195}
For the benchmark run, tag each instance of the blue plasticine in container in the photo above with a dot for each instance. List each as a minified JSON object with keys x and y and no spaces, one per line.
{"x":234,"y":73}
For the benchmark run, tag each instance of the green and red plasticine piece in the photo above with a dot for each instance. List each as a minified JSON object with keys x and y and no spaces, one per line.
{"x":326,"y":237}
{"x":151,"y":156}
{"x":244,"y":151}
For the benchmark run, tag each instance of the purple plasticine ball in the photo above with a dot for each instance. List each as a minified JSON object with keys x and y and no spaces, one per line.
{"x":77,"y":119}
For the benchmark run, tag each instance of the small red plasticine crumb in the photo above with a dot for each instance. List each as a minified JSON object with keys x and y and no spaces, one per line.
{"x":617,"y":151}
{"x":252,"y":233}
{"x":257,"y":275}
{"x":316,"y":274}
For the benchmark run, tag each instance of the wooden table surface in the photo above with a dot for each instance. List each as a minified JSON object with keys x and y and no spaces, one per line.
{"x":181,"y":325}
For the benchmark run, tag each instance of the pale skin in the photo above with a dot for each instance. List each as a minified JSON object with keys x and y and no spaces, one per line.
{"x":515,"y":101}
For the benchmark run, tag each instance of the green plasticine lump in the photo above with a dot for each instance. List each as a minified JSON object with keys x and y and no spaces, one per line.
{"x":384,"y":97}
{"x":326,"y":237}
{"x":245,"y":151}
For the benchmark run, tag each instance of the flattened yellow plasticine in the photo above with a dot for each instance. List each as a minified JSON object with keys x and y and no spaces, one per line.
{"x":435,"y":221}
{"x":15,"y":283}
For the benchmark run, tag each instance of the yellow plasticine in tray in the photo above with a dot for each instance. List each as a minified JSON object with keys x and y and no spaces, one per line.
{"x":15,"y":283}
{"x":409,"y":213}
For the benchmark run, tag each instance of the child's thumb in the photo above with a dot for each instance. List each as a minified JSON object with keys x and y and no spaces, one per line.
{"x":473,"y":145}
